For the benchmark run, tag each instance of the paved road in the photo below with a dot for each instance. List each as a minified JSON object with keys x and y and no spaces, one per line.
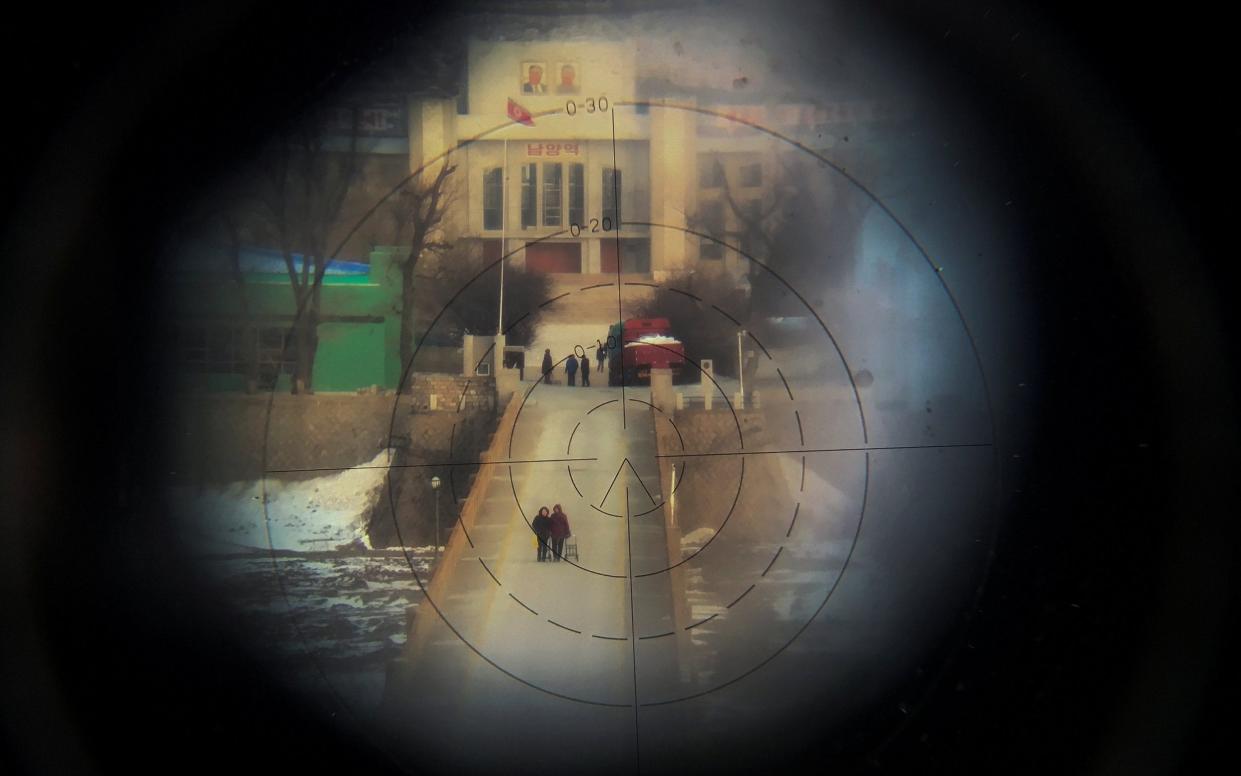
{"x":581,"y":666}
{"x":567,"y":628}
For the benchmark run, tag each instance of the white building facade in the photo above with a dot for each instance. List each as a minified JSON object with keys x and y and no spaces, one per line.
{"x":619,"y":165}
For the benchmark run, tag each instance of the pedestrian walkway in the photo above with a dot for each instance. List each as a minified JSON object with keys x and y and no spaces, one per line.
{"x":531,"y":633}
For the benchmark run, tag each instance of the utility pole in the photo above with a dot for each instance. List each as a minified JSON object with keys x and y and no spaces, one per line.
{"x":503,"y":234}
{"x":741,"y":366}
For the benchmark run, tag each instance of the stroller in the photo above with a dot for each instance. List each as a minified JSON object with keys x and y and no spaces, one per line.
{"x":570,"y":548}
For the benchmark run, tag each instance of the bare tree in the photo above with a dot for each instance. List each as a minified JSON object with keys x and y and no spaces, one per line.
{"x":422,"y":206}
{"x":799,"y":215}
{"x":304,"y":185}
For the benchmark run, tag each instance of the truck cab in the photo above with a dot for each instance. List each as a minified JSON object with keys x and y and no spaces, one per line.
{"x":637,"y":345}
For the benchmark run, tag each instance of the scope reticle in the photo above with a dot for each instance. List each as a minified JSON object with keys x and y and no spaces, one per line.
{"x":815,"y":494}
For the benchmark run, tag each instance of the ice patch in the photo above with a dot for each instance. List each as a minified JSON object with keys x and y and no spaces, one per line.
{"x":324,"y":513}
{"x":697,"y":537}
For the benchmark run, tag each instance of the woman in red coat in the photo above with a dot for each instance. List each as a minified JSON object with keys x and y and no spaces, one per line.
{"x":559,"y":530}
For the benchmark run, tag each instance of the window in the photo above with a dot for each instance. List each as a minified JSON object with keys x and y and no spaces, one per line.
{"x":713,"y":225}
{"x":577,"y":193}
{"x":224,"y":347}
{"x":752,"y":174}
{"x":611,"y":196}
{"x":493,"y":198}
{"x":551,"y":193}
{"x":710,"y":173}
{"x":529,"y":182}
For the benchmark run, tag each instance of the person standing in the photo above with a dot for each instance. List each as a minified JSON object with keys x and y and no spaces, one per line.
{"x":600,"y":354}
{"x":547,"y":365}
{"x":559,"y":531}
{"x":585,"y":370}
{"x":542,"y":525}
{"x":570,"y":369}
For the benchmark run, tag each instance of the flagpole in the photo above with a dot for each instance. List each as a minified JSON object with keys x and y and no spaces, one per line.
{"x":503,"y":233}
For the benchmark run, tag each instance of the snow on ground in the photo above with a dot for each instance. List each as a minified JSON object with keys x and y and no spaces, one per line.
{"x":327,"y":606}
{"x":323,"y":513}
{"x":696,"y":538}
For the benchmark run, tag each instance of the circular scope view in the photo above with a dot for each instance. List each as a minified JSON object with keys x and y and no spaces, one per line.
{"x":632,"y":387}
{"x":608,"y":394}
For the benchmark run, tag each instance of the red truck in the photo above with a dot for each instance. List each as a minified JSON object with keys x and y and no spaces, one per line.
{"x":637,"y":345}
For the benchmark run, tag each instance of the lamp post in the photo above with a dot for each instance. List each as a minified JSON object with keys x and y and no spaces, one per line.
{"x":435,"y":486}
{"x":741,"y":366}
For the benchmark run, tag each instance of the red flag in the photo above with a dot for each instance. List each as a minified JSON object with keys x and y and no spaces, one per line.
{"x":519,"y":114}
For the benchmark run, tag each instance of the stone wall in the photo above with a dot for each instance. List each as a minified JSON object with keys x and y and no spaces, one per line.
{"x":447,"y":445}
{"x":474,"y":393}
{"x":702,"y":500}
{"x":236,"y":437}
{"x":222,"y":438}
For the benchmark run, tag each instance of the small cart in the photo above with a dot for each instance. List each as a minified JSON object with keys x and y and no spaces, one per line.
{"x":570,"y":548}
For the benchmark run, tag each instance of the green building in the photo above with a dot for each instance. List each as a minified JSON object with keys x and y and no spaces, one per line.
{"x":217,"y":343}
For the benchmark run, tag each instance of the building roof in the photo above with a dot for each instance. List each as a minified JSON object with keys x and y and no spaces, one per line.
{"x":207,"y":258}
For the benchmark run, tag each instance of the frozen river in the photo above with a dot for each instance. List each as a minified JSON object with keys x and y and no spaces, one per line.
{"x":325,"y":623}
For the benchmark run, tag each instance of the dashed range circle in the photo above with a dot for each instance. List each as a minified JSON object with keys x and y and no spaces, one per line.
{"x":740,"y":453}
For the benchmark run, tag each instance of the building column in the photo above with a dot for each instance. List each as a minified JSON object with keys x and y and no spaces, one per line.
{"x":673,"y":147}
{"x":592,"y":259}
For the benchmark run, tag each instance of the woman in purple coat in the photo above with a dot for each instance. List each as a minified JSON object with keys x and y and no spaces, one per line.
{"x":559,"y":530}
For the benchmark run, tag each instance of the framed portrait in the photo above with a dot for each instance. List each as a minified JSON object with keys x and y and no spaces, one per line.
{"x":566,"y":77}
{"x":534,"y":78}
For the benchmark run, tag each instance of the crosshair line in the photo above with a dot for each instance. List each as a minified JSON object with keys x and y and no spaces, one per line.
{"x":429,"y":465}
{"x":619,"y":469}
{"x":831,"y":590}
{"x":633,"y":620}
{"x":620,"y":310}
{"x":736,"y":600}
{"x":527,"y":608}
{"x":786,"y":384}
{"x":554,"y":298}
{"x":700,"y":622}
{"x":773,"y":561}
{"x":734,"y":120}
{"x":760,"y":345}
{"x":825,"y":450}
{"x":490,"y":573}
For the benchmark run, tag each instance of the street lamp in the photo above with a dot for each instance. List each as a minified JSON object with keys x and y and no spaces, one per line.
{"x":435,"y":486}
